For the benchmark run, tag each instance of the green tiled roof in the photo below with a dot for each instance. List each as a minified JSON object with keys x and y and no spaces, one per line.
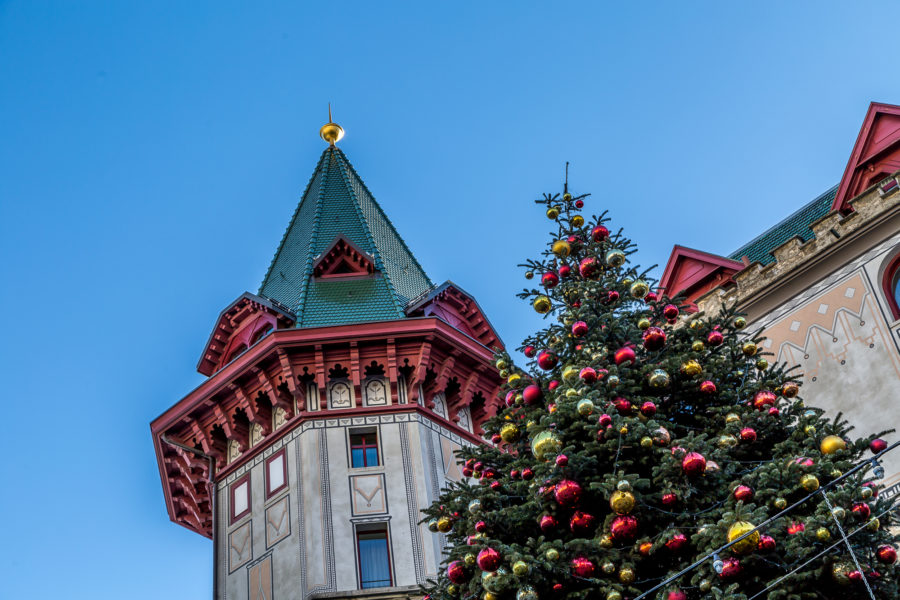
{"x":796,"y":225}
{"x":337,"y":202}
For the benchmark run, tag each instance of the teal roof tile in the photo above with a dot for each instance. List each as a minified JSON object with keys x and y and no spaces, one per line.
{"x":798,"y":224}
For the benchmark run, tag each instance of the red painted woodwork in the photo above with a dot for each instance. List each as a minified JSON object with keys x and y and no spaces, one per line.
{"x":694,"y":273}
{"x":451,"y":304}
{"x":889,"y":285}
{"x":343,"y":259}
{"x":875,"y":155}
{"x":243,"y":323}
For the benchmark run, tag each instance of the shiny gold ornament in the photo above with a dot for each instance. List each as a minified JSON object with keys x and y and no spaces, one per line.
{"x":331,"y":132}
{"x":644,"y":324}
{"x":452,"y":589}
{"x":553,"y":213}
{"x":727,"y":441}
{"x":608,"y":567}
{"x":513,"y":379}
{"x":624,"y":429}
{"x":623,"y":485}
{"x":822,"y":534}
{"x":691,"y":368}
{"x":519,"y":399}
{"x":749,"y":543}
{"x":740,"y":323}
{"x":585,"y":407}
{"x":469,"y":559}
{"x":809,"y":482}
{"x":529,"y":274}
{"x":809,"y":430}
{"x":613,"y":595}
{"x":627,"y":281}
{"x":520,"y":568}
{"x":639,"y":289}
{"x":698,"y":346}
{"x":696,"y":323}
{"x":615,"y":258}
{"x":659,"y":379}
{"x":612,"y":381}
{"x":835,"y":473}
{"x":545,"y":445}
{"x":606,"y":541}
{"x":561,"y":248}
{"x":433,"y":525}
{"x":838,"y":513}
{"x":510,"y":433}
{"x":865,"y":492}
{"x":621,"y":502}
{"x":542,"y":304}
{"x":577,"y":221}
{"x":503,"y":373}
{"x":873,"y":524}
{"x":444,"y":524}
{"x":570,"y":373}
{"x":749,"y":348}
{"x":732,"y":418}
{"x":501,"y":363}
{"x":705,"y":585}
{"x":626,"y":574}
{"x":762,"y":364}
{"x":790,"y":389}
{"x":831,"y":444}
{"x":572,"y":393}
{"x":551,"y":554}
{"x":490,"y":596}
{"x":646,"y":442}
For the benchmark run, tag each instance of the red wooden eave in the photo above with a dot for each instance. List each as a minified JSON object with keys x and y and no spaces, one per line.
{"x":694,"y":272}
{"x":875,"y":155}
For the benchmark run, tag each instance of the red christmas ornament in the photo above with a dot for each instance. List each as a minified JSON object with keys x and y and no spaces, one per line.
{"x":471,"y":540}
{"x":693,"y":464}
{"x":708,"y":387}
{"x":550,"y":280}
{"x":604,"y":421}
{"x":623,"y":406}
{"x":648,"y":409}
{"x":548,"y":523}
{"x":601,"y":373}
{"x":748,"y":434}
{"x":766,"y":543}
{"x":496,"y":439}
{"x":877,"y":445}
{"x":670,"y":311}
{"x":612,"y":296}
{"x":481,"y":527}
{"x":495,"y":485}
{"x":546,"y":360}
{"x":582,"y":567}
{"x":624,"y":355}
{"x":669,"y":498}
{"x":579,"y":328}
{"x":456,"y":572}
{"x":469,"y":463}
{"x":804,"y":462}
{"x":599,"y":233}
{"x":862,"y":510}
{"x":529,"y":351}
{"x":557,"y":587}
{"x":715,"y":338}
{"x":562,"y":460}
{"x":763,"y":398}
{"x":581,"y":522}
{"x":527,"y":474}
{"x":774,"y":411}
{"x":886,"y":554}
{"x":565,"y":271}
{"x":676,"y":595}
{"x":874,"y":486}
{"x":854,"y":576}
{"x":510,"y":397}
{"x":532,"y":394}
{"x":488,"y":559}
{"x":731,"y":567}
{"x":676,"y":542}
{"x":568,"y":492}
{"x":515,"y":474}
{"x":579,"y":204}
{"x":795,"y":528}
{"x":553,"y":385}
{"x":654,"y":338}
{"x":623,"y":528}
{"x":589,"y":267}
{"x":588,"y":375}
{"x":651,"y":297}
{"x":467,"y":472}
{"x":478,"y":465}
{"x":743,"y":493}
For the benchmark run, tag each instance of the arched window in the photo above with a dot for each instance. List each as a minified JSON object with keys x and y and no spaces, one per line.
{"x":891,"y":284}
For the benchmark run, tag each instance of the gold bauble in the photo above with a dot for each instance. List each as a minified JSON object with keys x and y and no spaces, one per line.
{"x":452,"y":589}
{"x":608,"y":567}
{"x":740,"y":323}
{"x":727,"y":441}
{"x":529,"y":274}
{"x":512,"y":379}
{"x":571,"y":393}
{"x":613,"y":595}
{"x":561,"y":248}
{"x":621,"y":502}
{"x":469,"y":559}
{"x":542,"y":304}
{"x":639,"y":289}
{"x":545,"y":445}
{"x":762,"y":364}
{"x":626,"y":574}
{"x":551,"y":554}
{"x":615,"y":258}
{"x":585,"y":407}
{"x":552,"y":213}
{"x":510,"y":433}
{"x":577,"y":221}
{"x":705,"y":585}
{"x":624,"y":429}
{"x":790,"y":389}
{"x":503,"y":373}
{"x":698,"y":346}
{"x":838,"y":513}
{"x":809,"y":482}
{"x":644,"y":324}
{"x":520,"y":568}
{"x":732,"y":418}
{"x":606,"y":541}
{"x":691,"y":368}
{"x":865,"y":492}
{"x":822,"y":534}
{"x":433,"y":526}
{"x":873,"y":524}
{"x":570,"y":373}
{"x":831,"y":444}
{"x":490,"y":596}
{"x":659,"y":379}
{"x":696,"y":323}
{"x":749,"y":348}
{"x":646,"y":441}
{"x":501,"y":363}
{"x":444,"y":524}
{"x":749,"y":543}
{"x":809,"y":430}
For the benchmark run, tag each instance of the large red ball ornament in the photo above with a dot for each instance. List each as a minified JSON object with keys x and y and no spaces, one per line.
{"x":624,"y":355}
{"x":553,"y":385}
{"x":550,"y":279}
{"x":854,"y":576}
{"x":599,"y":233}
{"x":495,"y":485}
{"x":748,"y":434}
{"x":773,"y":411}
{"x":743,"y":493}
{"x":886,"y":554}
{"x":623,"y":528}
{"x":488,"y":559}
{"x":654,"y":338}
{"x":510,"y":397}
{"x":612,"y":296}
{"x":708,"y":387}
{"x":670,"y":311}
{"x":582,"y":567}
{"x":456,"y":572}
{"x":579,"y":204}
{"x":565,"y":271}
{"x":669,"y":498}
{"x":648,"y":409}
{"x":527,"y":474}
{"x":693,"y":464}
{"x":650,"y":298}
{"x":529,"y":351}
{"x":548,"y":523}
{"x":861,"y":510}
{"x":588,"y":375}
{"x":604,"y":421}
{"x":766,"y":543}
{"x":589,"y":267}
{"x":715,"y":338}
{"x":481,"y":527}
{"x":731,"y":567}
{"x":795,"y":528}
{"x":562,"y":460}
{"x":496,"y":439}
{"x":581,"y":522}
{"x":877,"y":445}
{"x":763,"y":398}
{"x":532,"y":394}
{"x":467,"y":472}
{"x":579,"y":328}
{"x":623,"y":406}
{"x":676,"y":595}
{"x":676,"y":542}
{"x":568,"y":492}
{"x":546,"y":360}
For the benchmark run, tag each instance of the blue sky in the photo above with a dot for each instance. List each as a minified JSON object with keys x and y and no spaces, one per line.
{"x":151,"y":155}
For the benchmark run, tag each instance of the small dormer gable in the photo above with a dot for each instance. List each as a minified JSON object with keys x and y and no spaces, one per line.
{"x":343,"y":260}
{"x":693,"y":272}
{"x":875,"y":156}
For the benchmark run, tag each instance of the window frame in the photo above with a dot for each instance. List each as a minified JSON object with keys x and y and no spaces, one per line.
{"x":270,"y":493}
{"x":351,"y":433}
{"x":232,"y":490}
{"x":381,"y":527}
{"x":889,"y":284}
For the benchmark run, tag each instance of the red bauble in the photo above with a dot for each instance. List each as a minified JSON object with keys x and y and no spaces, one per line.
{"x":565,"y":271}
{"x":589,"y":267}
{"x":495,"y":485}
{"x":795,"y":528}
{"x":654,"y":338}
{"x":670,"y":311}
{"x":668,"y":499}
{"x":731,"y":567}
{"x":599,"y":233}
{"x":877,"y":445}
{"x":582,"y":567}
{"x":651,"y":297}
{"x":743,"y":493}
{"x":581,"y":522}
{"x":568,"y":492}
{"x":548,"y":523}
{"x":488,"y":559}
{"x":708,"y":387}
{"x":748,"y":434}
{"x":496,"y":439}
{"x":480,"y":526}
{"x":648,"y":409}
{"x":562,"y":460}
{"x":766,"y":543}
{"x":510,"y":397}
{"x":478,"y":465}
{"x":624,"y":355}
{"x":515,"y":474}
{"x":579,"y":328}
{"x":874,"y":486}
{"x":677,"y":542}
{"x":456,"y":572}
{"x":862,"y":510}
{"x":693,"y":464}
{"x":612,"y":296}
{"x":557,"y":587}
{"x":623,"y":406}
{"x":467,"y":472}
{"x":550,"y":279}
{"x":529,"y":351}
{"x":854,"y":576}
{"x":774,"y":411}
{"x":579,"y":204}
{"x":527,"y":474}
{"x":588,"y":375}
{"x":763,"y":398}
{"x":546,"y":360}
{"x":715,"y":338}
{"x":886,"y":554}
{"x":676,"y":595}
{"x":623,"y":528}
{"x":532,"y":394}
{"x":553,"y":385}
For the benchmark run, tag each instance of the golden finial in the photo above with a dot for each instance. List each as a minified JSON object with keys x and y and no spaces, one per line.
{"x":331,"y":132}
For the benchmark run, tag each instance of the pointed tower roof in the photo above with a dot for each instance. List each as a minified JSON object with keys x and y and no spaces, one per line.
{"x":338,"y":215}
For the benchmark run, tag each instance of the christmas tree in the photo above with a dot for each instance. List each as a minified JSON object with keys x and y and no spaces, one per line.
{"x":639,"y":439}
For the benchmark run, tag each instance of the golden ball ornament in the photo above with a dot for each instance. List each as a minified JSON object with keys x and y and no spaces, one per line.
{"x":608,"y":567}
{"x":570,"y":373}
{"x":624,"y":429}
{"x":551,"y":554}
{"x":606,"y":541}
{"x":740,"y":323}
{"x":529,"y":274}
{"x":444,"y":524}
{"x":626,"y":575}
{"x":698,"y":346}
{"x":838,"y":513}
{"x":697,"y":324}
{"x":691,"y":368}
{"x":490,"y":596}
{"x":612,"y":381}
{"x":552,"y":213}
{"x":790,"y":389}
{"x":503,"y":373}
{"x":749,"y":543}
{"x":567,"y":196}
{"x":749,"y":349}
{"x":622,"y":502}
{"x":452,"y":589}
{"x":874,"y":524}
{"x":469,"y":559}
{"x":585,"y":407}
{"x":501,"y":363}
{"x":623,"y":485}
{"x":659,"y":379}
{"x":513,"y":378}
{"x":561,"y":248}
{"x":762,"y":364}
{"x":646,"y":442}
{"x":809,"y":482}
{"x":822,"y":534}
{"x":613,"y":595}
{"x":645,"y":548}
{"x":732,"y":418}
{"x":809,"y":430}
{"x":831,"y":444}
{"x":520,"y":568}
{"x":572,"y":393}
{"x":577,"y":221}
{"x":627,"y":281}
{"x":545,"y":445}
{"x":644,"y":324}
{"x":510,"y":433}
{"x":615,"y":258}
{"x":527,"y":593}
{"x":705,"y":585}
{"x":542,"y":305}
{"x":865,"y":492}
{"x":639,"y":289}
{"x":727,"y":441}
{"x":433,"y":525}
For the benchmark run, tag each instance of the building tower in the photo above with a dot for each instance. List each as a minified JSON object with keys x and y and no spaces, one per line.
{"x":334,"y":401}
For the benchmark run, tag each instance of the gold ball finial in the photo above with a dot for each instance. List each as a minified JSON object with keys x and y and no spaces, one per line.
{"x":331,"y":132}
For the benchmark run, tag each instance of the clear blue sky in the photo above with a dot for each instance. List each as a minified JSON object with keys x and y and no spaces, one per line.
{"x":151,"y":155}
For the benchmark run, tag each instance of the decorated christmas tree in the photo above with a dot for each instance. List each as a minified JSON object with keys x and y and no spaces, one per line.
{"x":639,"y":439}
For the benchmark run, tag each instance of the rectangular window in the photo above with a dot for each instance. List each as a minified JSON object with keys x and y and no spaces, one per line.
{"x":276,"y":473}
{"x":240,"y":498}
{"x":364,"y":449}
{"x":374,"y":558}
